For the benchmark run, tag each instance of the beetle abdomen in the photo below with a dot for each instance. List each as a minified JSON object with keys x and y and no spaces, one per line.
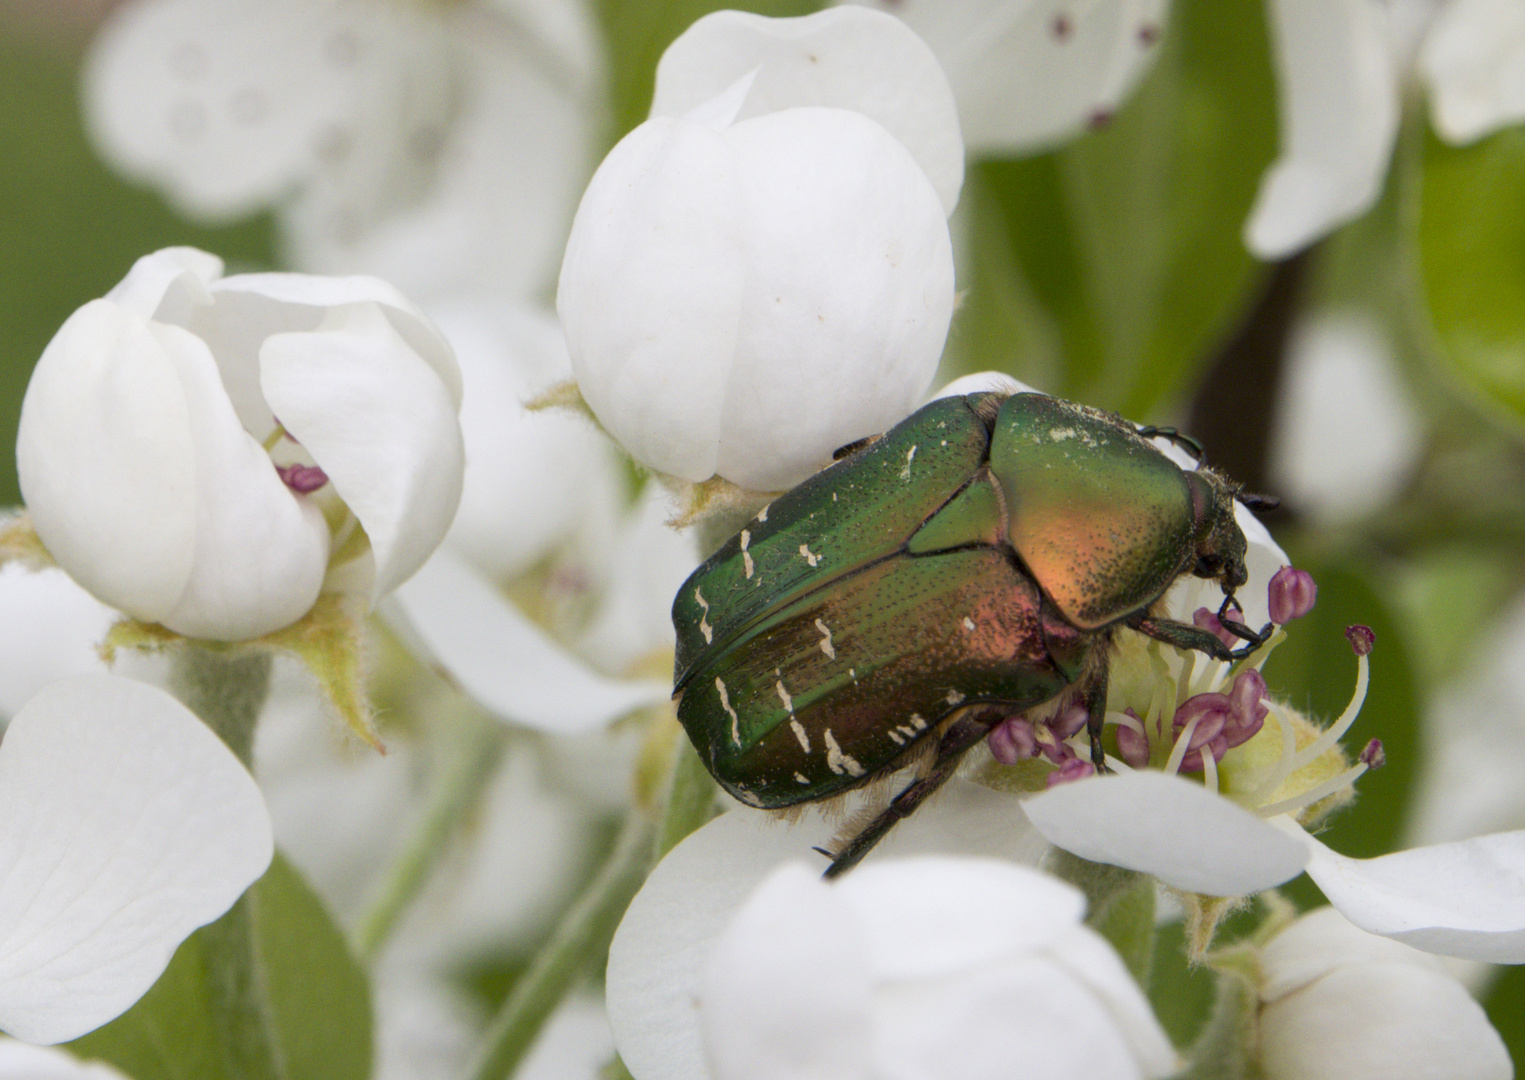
{"x":843,"y":682}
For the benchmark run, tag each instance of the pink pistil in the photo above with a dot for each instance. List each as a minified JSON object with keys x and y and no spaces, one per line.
{"x":1361,"y":639}
{"x":1133,"y":743}
{"x":1292,"y":595}
{"x":1012,"y":740}
{"x":1073,"y":769}
{"x":1207,"y":619}
{"x":1373,"y":756}
{"x":303,"y":479}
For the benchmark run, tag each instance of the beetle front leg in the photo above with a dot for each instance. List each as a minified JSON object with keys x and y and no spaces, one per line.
{"x":1181,"y":636}
{"x":1094,"y":695}
{"x":955,"y":741}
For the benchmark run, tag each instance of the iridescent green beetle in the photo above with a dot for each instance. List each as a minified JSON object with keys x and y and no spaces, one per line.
{"x":969,"y":565}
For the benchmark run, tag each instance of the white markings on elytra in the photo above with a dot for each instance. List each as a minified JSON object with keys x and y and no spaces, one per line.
{"x":839,"y":762}
{"x":802,"y":778}
{"x":725,"y":703}
{"x":968,"y":623}
{"x":852,"y":673}
{"x":906,"y":730}
{"x":954,"y":697}
{"x":704,"y":620}
{"x":800,"y":734}
{"x":917,"y":722}
{"x":762,"y":515}
{"x":826,"y":646}
{"x":833,"y":496}
{"x":783,"y":695}
{"x":809,"y":556}
{"x":905,"y":473}
{"x":746,"y":556}
{"x":897,"y":738}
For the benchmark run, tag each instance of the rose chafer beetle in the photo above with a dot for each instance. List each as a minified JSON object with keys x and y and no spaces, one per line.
{"x":969,"y":565}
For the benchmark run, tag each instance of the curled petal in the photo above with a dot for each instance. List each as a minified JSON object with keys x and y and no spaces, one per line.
{"x":505,"y":662}
{"x":380,"y":422}
{"x":128,"y":825}
{"x":1474,"y":60}
{"x":846,"y":58}
{"x":168,"y":284}
{"x":1464,"y":899}
{"x":1183,"y":834}
{"x":1339,"y":109}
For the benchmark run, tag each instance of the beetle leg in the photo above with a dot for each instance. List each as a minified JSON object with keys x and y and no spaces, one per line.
{"x":1182,"y":636}
{"x":1095,"y":698}
{"x":1175,"y":435}
{"x":958,"y":738}
{"x":1241,"y":631}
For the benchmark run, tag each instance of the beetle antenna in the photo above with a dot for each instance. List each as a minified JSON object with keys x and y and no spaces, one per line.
{"x":1260,"y":504}
{"x":1175,"y":435}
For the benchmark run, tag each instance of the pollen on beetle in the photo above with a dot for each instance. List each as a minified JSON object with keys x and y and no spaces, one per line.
{"x":826,"y":645}
{"x":968,"y":623}
{"x":809,"y":556}
{"x":953,"y":698}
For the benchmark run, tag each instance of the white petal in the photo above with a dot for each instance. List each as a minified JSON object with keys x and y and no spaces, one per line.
{"x":1096,"y":963}
{"x":49,"y":628}
{"x":380,"y":422}
{"x":226,"y":107}
{"x":847,"y":58}
{"x":532,"y":478}
{"x":574,"y":1044}
{"x":1463,"y":899}
{"x":1474,"y":60}
{"x":901,"y":905}
{"x":666,"y":933}
{"x":984,"y":382}
{"x":1031,"y":74}
{"x":848,"y":295}
{"x":651,"y":289}
{"x":19,"y":1061}
{"x":504,"y":661}
{"x":1183,"y":834}
{"x":784,"y":993}
{"x":1341,"y":400}
{"x":1339,"y":116}
{"x":1323,"y":941}
{"x":977,"y":1025}
{"x":519,"y":128}
{"x":107,"y":463}
{"x":1377,"y":1021}
{"x":177,"y":275}
{"x":261,"y":549}
{"x":129,"y":824}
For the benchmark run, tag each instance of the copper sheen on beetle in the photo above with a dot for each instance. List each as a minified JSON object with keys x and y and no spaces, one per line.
{"x":967,"y":566}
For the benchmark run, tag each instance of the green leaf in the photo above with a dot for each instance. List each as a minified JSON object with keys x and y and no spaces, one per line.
{"x":1111,"y":269}
{"x":1471,"y":240}
{"x":317,"y":997}
{"x":637,"y":32}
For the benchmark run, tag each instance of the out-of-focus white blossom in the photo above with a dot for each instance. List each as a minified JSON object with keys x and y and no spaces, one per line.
{"x":128,"y":825}
{"x":21,"y":1061}
{"x":183,"y":439}
{"x":1346,"y":429}
{"x":1338,"y":1003}
{"x":386,"y":130}
{"x":769,"y":275}
{"x":657,"y":955}
{"x":1027,"y":74}
{"x":1341,"y":65}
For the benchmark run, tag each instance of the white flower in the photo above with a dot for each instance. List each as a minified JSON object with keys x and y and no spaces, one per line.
{"x":1340,"y":67}
{"x":128,"y":825}
{"x":668,"y":931}
{"x":1346,"y":429}
{"x":19,"y":1061}
{"x":1341,"y":1004}
{"x":387,"y":130}
{"x":869,"y":976}
{"x":49,"y":628}
{"x":140,"y":447}
{"x":762,"y":271}
{"x":1030,"y":75}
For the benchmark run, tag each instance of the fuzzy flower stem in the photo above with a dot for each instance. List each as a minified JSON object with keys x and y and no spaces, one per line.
{"x":471,"y":760}
{"x":227,"y":689}
{"x":582,"y":935}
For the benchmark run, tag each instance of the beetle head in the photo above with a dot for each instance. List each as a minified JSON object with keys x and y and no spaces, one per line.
{"x":1220,"y":543}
